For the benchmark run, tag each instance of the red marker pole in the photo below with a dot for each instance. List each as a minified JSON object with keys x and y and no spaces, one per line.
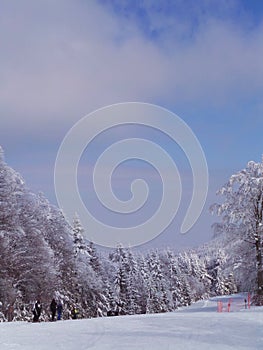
{"x":228,"y":305}
{"x":248,"y":300}
{"x":219,"y":306}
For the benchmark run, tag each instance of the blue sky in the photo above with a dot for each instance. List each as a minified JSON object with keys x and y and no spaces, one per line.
{"x":202,"y":60}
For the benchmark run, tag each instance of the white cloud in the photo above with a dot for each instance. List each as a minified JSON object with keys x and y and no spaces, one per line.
{"x":60,"y":60}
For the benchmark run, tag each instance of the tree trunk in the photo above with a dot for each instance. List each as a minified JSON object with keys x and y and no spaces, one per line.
{"x":259,"y":265}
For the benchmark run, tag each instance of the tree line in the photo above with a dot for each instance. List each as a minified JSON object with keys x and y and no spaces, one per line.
{"x":43,"y":256}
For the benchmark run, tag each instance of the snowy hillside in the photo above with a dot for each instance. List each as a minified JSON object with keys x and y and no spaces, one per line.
{"x":198,"y":327}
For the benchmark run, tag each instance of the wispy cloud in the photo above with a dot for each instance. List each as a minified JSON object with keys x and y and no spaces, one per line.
{"x":61,"y":60}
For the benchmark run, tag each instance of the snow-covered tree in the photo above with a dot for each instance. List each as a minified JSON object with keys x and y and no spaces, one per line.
{"x":176,"y":281}
{"x":157,"y":301}
{"x":11,"y":189}
{"x":242,"y":213}
{"x":80,"y":246}
{"x":94,"y":258}
{"x":185,"y":268}
{"x":142,"y":284}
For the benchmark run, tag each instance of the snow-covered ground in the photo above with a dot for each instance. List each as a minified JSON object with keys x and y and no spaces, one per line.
{"x":197,"y":327}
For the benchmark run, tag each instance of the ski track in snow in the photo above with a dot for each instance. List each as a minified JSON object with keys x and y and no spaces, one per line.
{"x":197,"y":327}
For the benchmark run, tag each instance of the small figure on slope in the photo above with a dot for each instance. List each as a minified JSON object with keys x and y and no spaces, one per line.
{"x":37,"y":311}
{"x":74,"y":313}
{"x":59,"y":309}
{"x":53,"y":309}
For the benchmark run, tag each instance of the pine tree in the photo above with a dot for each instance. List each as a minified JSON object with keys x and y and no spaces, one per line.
{"x":80,"y":245}
{"x":95,"y":260}
{"x":142,"y":285}
{"x":155,"y":300}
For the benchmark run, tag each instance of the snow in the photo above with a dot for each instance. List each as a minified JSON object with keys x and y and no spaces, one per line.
{"x":197,"y":327}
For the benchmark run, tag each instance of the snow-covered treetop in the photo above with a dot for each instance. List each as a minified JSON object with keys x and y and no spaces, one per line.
{"x":242,"y":208}
{"x":2,"y":157}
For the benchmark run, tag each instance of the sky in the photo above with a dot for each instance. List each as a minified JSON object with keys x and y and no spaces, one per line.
{"x":202,"y":60}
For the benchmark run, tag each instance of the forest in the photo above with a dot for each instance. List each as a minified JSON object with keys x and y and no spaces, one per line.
{"x":43,"y":256}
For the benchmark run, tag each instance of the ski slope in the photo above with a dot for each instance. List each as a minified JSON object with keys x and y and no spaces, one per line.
{"x":198,"y":327}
